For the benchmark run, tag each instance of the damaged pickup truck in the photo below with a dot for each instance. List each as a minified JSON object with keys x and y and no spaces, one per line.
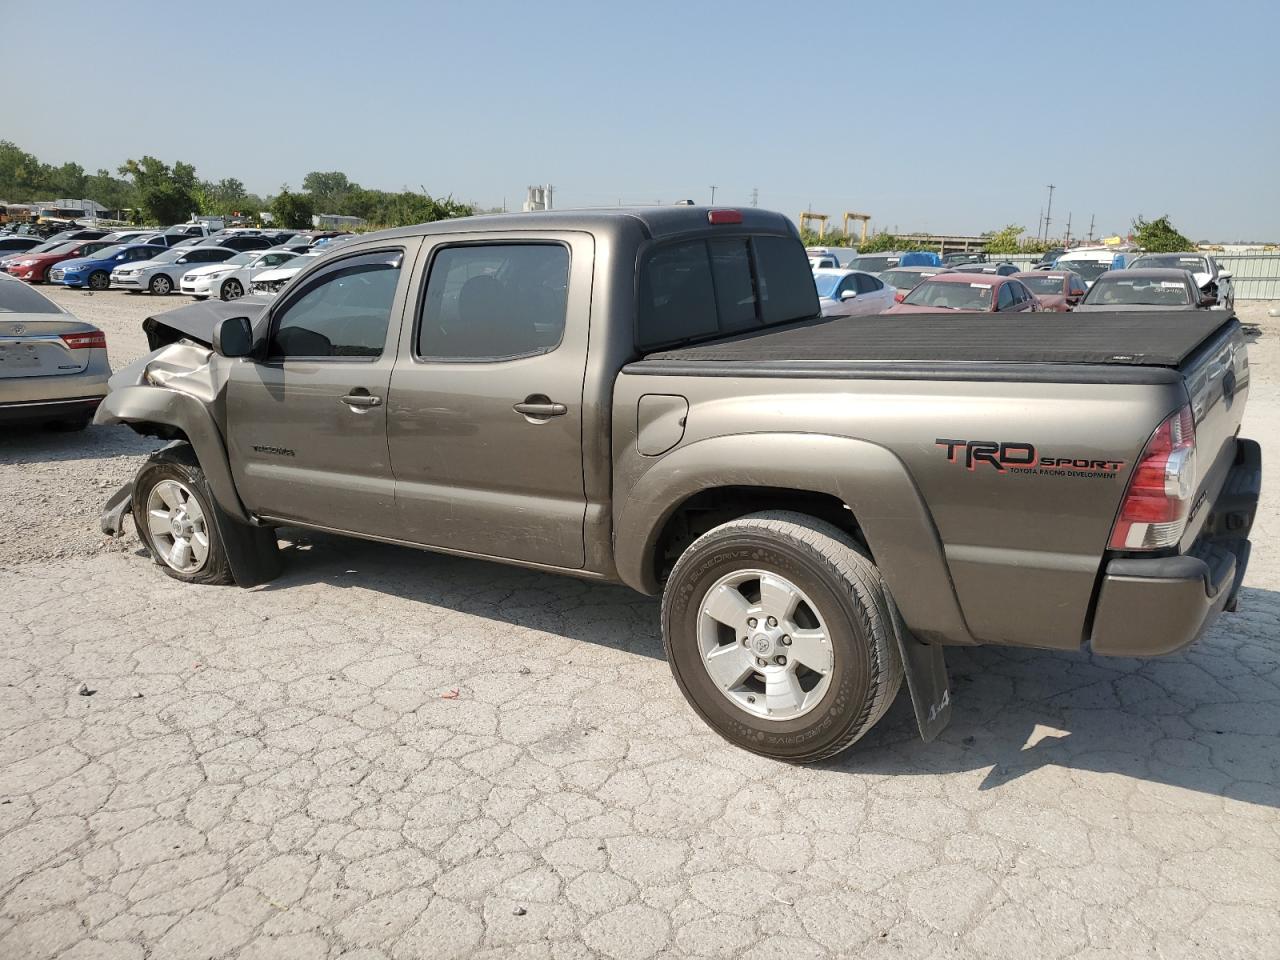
{"x":651,"y":397}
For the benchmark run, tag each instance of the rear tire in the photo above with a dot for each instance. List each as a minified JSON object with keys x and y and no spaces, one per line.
{"x":796,"y":698}
{"x":160,"y":285}
{"x":174,"y":513}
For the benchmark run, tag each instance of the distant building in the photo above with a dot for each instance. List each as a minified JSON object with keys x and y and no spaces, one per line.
{"x":540,"y":198}
{"x":336,"y":221}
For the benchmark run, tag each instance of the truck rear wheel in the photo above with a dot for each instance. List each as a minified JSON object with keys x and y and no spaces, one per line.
{"x":174,"y":513}
{"x":780,"y":633}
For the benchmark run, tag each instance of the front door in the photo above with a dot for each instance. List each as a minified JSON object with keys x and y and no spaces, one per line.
{"x":485,"y":418}
{"x":309,"y":421}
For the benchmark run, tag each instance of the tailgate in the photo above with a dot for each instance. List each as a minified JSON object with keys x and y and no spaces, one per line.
{"x":1217,"y":380}
{"x":33,"y":349}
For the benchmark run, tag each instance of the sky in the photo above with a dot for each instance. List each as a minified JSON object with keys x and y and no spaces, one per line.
{"x":939,"y":117}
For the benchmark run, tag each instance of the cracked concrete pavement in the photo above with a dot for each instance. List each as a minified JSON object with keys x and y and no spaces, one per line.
{"x":389,"y":755}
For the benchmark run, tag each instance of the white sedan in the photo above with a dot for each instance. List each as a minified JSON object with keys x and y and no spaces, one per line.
{"x":233,"y":278}
{"x":270,"y":282}
{"x":852,"y":293}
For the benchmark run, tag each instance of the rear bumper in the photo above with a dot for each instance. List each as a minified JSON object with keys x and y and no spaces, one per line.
{"x":41,"y":411}
{"x":1151,"y":607}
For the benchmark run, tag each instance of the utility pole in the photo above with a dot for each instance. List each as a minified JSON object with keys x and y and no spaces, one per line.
{"x":1048,"y":211}
{"x":755,"y":196}
{"x":1091,"y":216}
{"x":1067,"y":242}
{"x":713,"y":194}
{"x":1040,"y":225}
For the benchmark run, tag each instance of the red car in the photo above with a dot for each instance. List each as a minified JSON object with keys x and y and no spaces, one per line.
{"x":33,"y":266}
{"x":969,"y":293}
{"x":1057,"y":290}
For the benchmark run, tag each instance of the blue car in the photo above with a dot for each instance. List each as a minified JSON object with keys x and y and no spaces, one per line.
{"x":95,"y":272}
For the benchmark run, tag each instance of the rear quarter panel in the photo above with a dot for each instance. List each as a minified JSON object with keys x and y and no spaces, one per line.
{"x":1023,"y":545}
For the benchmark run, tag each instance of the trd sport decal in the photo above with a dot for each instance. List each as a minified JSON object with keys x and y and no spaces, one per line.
{"x":1023,"y":458}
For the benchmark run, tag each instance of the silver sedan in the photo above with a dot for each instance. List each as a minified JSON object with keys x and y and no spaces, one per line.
{"x":53,"y":368}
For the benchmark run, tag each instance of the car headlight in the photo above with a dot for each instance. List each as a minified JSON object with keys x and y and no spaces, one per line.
{"x":26,"y":263}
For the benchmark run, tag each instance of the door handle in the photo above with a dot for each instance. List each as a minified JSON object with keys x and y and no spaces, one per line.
{"x":361,"y":400}
{"x":539,"y":406}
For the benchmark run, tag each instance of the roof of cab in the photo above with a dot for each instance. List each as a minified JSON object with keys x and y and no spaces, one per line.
{"x":656,"y":222}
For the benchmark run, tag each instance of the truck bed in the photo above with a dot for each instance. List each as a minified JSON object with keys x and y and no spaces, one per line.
{"x":1147,"y":339}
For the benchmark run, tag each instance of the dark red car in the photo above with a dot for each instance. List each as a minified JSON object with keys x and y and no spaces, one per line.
{"x":33,"y":266}
{"x":1057,"y":290}
{"x":969,"y":293}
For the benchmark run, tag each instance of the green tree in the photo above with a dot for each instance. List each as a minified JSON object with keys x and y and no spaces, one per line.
{"x":1007,"y":240}
{"x":1159,"y":236}
{"x":21,"y":174}
{"x":166,"y":194}
{"x":292,"y":210}
{"x":880,"y":242}
{"x":329,"y":190}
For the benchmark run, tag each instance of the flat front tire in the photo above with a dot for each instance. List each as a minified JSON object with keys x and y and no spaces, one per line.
{"x":174,"y":514}
{"x":780,"y":633}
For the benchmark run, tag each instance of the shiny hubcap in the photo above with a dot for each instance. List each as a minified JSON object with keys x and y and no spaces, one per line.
{"x":177,"y":526}
{"x":234,"y":291}
{"x":764,"y":644}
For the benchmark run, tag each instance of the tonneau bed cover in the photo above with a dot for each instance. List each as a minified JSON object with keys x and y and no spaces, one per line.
{"x":1147,"y":339}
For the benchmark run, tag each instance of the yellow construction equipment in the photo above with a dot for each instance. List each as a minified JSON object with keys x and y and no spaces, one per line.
{"x":866,"y":222}
{"x":820,"y":217}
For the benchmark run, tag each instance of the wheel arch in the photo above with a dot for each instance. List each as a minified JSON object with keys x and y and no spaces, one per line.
{"x":861,"y":487}
{"x":168,"y":414}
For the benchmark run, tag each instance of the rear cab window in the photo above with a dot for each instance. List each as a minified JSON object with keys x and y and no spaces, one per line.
{"x":699,"y":289}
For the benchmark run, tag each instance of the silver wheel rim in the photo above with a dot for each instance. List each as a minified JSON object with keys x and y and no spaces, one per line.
{"x":98,"y":282}
{"x":764,"y":645}
{"x":177,"y":526}
{"x":233,"y":290}
{"x":161,"y":284}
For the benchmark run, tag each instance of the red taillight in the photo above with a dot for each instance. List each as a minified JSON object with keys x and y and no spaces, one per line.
{"x":1156,"y":503}
{"x":717,"y":217}
{"x":899,"y":296}
{"x":85,"y":341}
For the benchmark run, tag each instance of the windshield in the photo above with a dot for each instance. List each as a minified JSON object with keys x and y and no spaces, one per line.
{"x":949,"y":295}
{"x":1174,"y":261}
{"x":172,"y":254}
{"x":62,"y":246}
{"x":872,"y":264}
{"x":1087,"y":269}
{"x":906,"y":279}
{"x":240,"y":259}
{"x":827,"y":284}
{"x":1048,"y":284}
{"x":1119,"y":290}
{"x":17,"y":297}
{"x":108,"y":252}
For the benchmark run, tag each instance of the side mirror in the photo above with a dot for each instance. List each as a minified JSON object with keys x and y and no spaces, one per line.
{"x":848,"y":294}
{"x":233,"y":337}
{"x":1208,"y":300}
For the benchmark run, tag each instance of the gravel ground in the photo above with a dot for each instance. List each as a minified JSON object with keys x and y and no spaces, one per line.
{"x":389,"y":755}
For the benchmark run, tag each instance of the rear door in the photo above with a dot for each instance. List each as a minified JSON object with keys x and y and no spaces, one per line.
{"x":485,"y":418}
{"x":308,"y":436}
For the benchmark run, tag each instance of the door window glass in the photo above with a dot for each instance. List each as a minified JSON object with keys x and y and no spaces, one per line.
{"x":1006,"y":297}
{"x":343,"y":312}
{"x":494,"y":301}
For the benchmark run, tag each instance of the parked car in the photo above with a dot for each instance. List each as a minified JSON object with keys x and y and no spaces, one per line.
{"x":851,"y":293}
{"x":230,"y":279}
{"x":270,"y":282}
{"x":817,"y":526}
{"x":195,"y":229}
{"x":1003,"y":269}
{"x":1057,"y":290}
{"x":1212,"y":279}
{"x":872,"y":262}
{"x":94,"y":271}
{"x":131,"y":236}
{"x":959,"y":259}
{"x":1088,"y":262}
{"x":35,"y":264}
{"x":904,"y":279}
{"x":1048,"y":259}
{"x":78,"y":233}
{"x":919,"y":258}
{"x":1146,"y":289}
{"x":13,"y":243}
{"x":293,"y":246}
{"x":53,"y":367}
{"x":236,"y":241}
{"x":820,"y":258}
{"x":160,"y":275}
{"x":969,"y":292}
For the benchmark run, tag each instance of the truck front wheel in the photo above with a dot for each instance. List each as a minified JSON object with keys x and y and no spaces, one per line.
{"x":174,"y":513}
{"x":780,"y":633}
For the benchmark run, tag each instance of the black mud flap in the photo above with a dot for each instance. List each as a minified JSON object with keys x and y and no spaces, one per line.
{"x":926,"y":670}
{"x":253,"y":553}
{"x":113,"y":514}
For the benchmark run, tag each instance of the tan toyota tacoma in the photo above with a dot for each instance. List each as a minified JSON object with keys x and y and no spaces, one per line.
{"x":651,"y":397}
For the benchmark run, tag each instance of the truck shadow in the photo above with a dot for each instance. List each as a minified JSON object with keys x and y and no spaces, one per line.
{"x":21,"y":444}
{"x":1207,"y":720}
